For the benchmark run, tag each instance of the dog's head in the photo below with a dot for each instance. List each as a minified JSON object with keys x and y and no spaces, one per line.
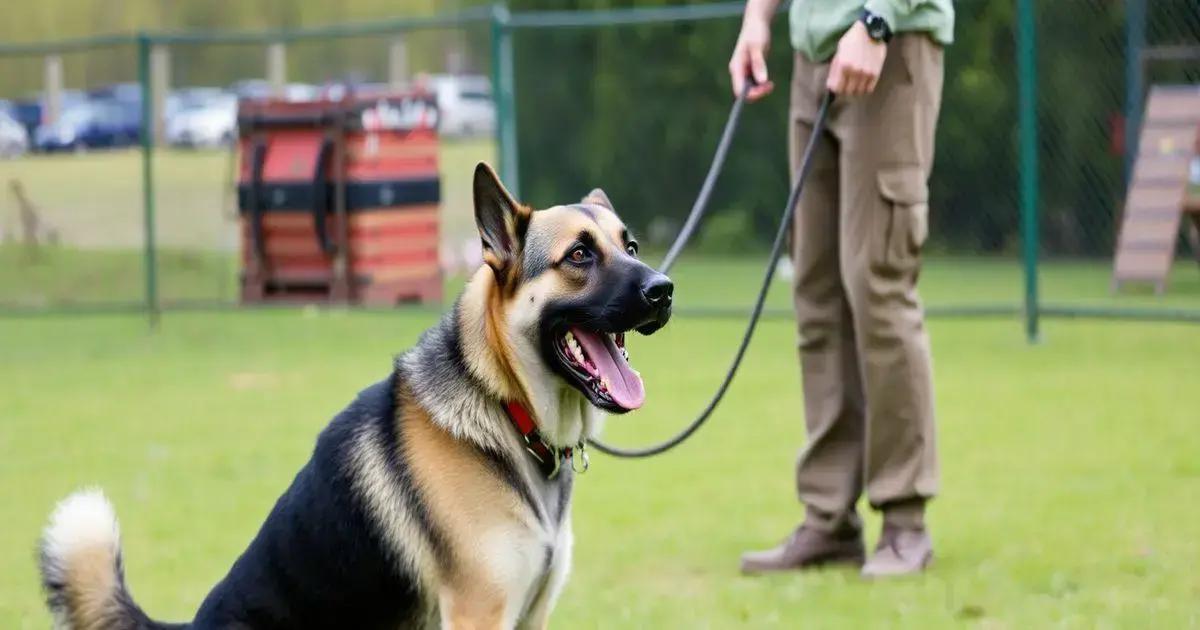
{"x":568,"y":287}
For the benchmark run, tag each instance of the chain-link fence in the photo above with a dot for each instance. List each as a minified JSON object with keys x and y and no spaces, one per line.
{"x":633,"y":100}
{"x":93,"y":218}
{"x":1099,"y":65}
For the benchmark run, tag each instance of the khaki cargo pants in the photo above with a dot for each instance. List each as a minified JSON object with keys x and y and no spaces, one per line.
{"x":864,"y":351}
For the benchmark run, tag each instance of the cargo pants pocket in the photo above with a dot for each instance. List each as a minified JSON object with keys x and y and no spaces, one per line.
{"x":905,"y":217}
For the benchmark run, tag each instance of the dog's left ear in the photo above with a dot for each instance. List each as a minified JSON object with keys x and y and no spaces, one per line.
{"x":598,"y":197}
{"x":501,"y":220}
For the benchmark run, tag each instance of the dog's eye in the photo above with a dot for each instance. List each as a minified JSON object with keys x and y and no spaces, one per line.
{"x":632,"y":249}
{"x":579,"y":255}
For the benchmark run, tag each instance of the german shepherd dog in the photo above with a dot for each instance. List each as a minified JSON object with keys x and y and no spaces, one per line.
{"x":441,"y":496}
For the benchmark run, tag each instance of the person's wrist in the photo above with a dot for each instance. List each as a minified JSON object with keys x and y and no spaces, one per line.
{"x":759,"y":17}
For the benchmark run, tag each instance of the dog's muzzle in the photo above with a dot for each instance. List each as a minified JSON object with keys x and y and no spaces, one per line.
{"x":657,"y":292}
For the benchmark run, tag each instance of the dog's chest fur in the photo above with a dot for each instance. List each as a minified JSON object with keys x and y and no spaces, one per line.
{"x":493,"y":523}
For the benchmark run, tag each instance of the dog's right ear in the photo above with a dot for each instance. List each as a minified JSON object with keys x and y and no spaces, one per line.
{"x":501,"y":220}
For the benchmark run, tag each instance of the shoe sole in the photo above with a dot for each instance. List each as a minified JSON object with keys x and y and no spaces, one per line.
{"x":824,"y":563}
{"x":925,"y":564}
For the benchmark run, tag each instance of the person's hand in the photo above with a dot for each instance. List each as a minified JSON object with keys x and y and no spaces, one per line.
{"x":750,"y":58}
{"x":856,"y":65}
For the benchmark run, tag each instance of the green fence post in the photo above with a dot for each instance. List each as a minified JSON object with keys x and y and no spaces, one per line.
{"x":1028,"y":133}
{"x":150,"y":263}
{"x":1135,"y":41}
{"x":502,"y":82}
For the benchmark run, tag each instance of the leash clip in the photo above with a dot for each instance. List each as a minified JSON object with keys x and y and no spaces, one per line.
{"x":580,"y":448}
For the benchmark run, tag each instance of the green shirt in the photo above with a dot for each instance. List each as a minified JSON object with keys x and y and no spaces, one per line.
{"x":817,"y":25}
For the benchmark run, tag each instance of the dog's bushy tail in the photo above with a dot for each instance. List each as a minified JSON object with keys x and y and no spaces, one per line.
{"x":82,"y":572}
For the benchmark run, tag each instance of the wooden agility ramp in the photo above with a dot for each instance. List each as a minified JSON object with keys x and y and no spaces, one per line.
{"x":1158,"y":199}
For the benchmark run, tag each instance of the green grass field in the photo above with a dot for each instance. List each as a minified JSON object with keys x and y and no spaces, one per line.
{"x":1070,"y":471}
{"x":71,"y":277}
{"x":1071,"y":468}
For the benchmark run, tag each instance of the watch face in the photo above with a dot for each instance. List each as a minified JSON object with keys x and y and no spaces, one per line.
{"x":877,"y":27}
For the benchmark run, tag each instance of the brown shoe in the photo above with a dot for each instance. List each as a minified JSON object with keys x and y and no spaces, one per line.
{"x":807,"y":547}
{"x":901,"y":551}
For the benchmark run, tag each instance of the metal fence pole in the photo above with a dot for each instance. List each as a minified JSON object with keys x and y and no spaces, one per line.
{"x":150,"y":263}
{"x":1135,"y":41}
{"x":1028,"y":133}
{"x":502,"y":82}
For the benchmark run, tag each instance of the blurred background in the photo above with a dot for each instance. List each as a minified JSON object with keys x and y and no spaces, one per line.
{"x":629,"y":99}
{"x":1066,"y":185}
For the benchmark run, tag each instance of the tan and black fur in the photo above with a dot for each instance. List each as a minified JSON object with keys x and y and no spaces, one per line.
{"x":421,"y":506}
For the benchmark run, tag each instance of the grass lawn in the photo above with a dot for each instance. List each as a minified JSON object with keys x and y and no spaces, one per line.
{"x":1070,"y":472}
{"x":62,"y":276}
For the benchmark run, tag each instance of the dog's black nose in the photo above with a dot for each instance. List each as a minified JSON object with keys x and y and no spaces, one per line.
{"x":657,"y":290}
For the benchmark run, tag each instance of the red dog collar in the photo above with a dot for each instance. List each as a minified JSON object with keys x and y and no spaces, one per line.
{"x":549,"y":458}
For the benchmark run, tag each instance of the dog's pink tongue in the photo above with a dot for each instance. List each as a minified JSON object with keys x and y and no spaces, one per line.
{"x":624,"y":385}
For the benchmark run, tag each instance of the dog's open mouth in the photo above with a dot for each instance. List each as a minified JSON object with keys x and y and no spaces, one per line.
{"x":600,"y":365}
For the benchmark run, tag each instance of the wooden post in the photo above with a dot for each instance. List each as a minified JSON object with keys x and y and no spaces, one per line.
{"x":160,"y":85}
{"x":397,"y":63}
{"x":277,"y":67}
{"x":52,"y":105}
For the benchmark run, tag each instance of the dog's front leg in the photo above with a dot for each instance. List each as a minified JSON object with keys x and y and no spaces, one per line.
{"x":560,"y":567}
{"x":472,"y":606}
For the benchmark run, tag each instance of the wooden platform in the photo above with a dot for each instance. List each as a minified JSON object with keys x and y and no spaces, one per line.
{"x":1159,"y":198}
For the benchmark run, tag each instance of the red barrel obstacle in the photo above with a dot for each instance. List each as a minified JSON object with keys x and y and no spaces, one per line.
{"x":339,"y":200}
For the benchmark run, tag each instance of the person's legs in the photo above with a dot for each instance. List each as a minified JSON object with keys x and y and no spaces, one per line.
{"x":829,"y":471}
{"x":887,"y":153}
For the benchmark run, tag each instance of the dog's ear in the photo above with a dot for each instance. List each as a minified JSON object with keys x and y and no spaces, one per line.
{"x":501,"y":220}
{"x":598,"y":197}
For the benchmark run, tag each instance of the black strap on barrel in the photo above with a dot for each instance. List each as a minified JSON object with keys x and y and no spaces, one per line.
{"x":258,"y":158}
{"x":321,"y":196}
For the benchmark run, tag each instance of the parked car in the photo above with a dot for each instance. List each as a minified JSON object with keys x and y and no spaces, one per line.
{"x":14,"y":140}
{"x":465,"y":105}
{"x":204,"y":122}
{"x":252,"y":89}
{"x":31,"y":112}
{"x":259,"y":89}
{"x":101,"y":123}
{"x":124,"y":92}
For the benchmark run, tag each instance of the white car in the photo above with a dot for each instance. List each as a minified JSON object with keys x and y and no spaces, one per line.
{"x":261,"y":89}
{"x":14,"y":140}
{"x":465,"y":105}
{"x":208,"y":123}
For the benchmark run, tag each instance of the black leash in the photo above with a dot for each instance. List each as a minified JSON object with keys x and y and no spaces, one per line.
{"x":698,"y":210}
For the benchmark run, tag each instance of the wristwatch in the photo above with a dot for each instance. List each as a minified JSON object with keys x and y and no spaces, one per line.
{"x":877,"y":27}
